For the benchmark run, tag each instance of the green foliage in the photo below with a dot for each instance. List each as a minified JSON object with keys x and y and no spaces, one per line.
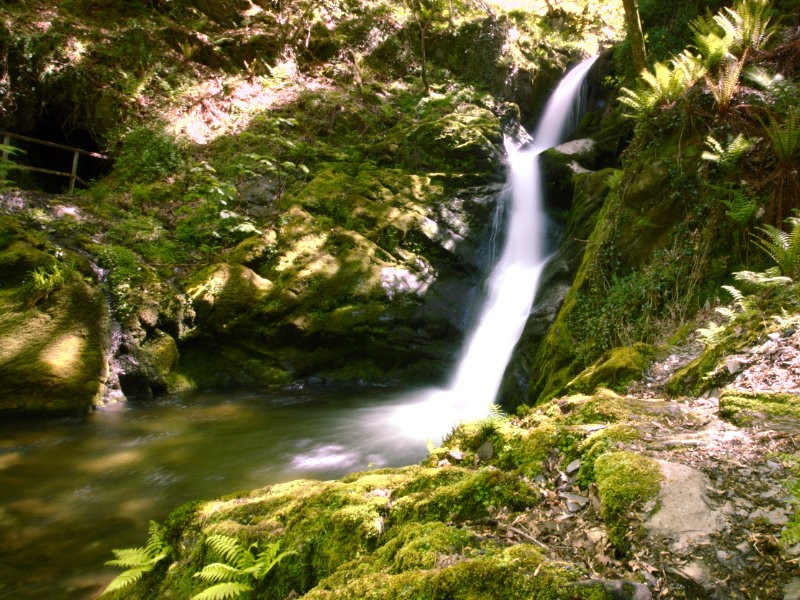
{"x":663,"y":85}
{"x":727,"y":156}
{"x":724,"y":86}
{"x":785,"y":137}
{"x":782,"y":246}
{"x":240,"y":567}
{"x":6,"y":164}
{"x":206,"y":220}
{"x":147,"y":154}
{"x":139,"y":561}
{"x":745,"y":26}
{"x":46,"y":280}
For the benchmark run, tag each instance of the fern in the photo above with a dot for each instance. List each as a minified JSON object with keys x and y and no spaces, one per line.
{"x":226,"y":547}
{"x":223,"y":591}
{"x":726,"y":156}
{"x":217,"y":572}
{"x":241,"y":565}
{"x":138,"y":561}
{"x":746,"y":25}
{"x":763,"y":279}
{"x":711,"y":335}
{"x":741,"y":206}
{"x":785,"y":137}
{"x":725,"y":85}
{"x":782,"y":246}
{"x":712,"y":45}
{"x":664,"y":84}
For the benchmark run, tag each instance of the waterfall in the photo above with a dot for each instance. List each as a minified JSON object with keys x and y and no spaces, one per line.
{"x":511,"y":287}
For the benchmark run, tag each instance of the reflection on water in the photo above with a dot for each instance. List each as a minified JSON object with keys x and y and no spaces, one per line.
{"x":73,"y":489}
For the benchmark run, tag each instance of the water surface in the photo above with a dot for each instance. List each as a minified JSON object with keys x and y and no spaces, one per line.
{"x":73,"y":489}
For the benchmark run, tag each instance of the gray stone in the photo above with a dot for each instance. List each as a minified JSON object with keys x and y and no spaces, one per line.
{"x":791,"y":590}
{"x":486,"y":451}
{"x":573,"y":466}
{"x":776,"y":516}
{"x":685,"y":514}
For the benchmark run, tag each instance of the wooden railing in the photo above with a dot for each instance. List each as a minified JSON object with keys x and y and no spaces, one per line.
{"x":76,"y":153}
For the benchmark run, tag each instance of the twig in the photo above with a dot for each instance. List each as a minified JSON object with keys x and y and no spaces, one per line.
{"x":527,"y":536}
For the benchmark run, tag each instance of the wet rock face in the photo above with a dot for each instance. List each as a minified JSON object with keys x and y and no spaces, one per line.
{"x":393,"y":297}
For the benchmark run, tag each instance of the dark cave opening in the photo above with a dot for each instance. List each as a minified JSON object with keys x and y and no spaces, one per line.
{"x":50,"y":128}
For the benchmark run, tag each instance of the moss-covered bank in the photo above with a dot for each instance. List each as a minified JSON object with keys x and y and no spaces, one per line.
{"x":433,"y":530}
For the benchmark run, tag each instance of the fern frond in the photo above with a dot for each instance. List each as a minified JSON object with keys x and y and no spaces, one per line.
{"x":746,"y":25}
{"x":768,"y":278}
{"x":737,"y":295}
{"x":267,"y":559}
{"x":711,"y":335}
{"x":726,"y":156}
{"x":125,"y":579}
{"x":217,"y":572}
{"x":156,"y":540}
{"x":783,"y":247}
{"x":725,"y":85}
{"x":712,"y":44}
{"x":726,"y":312}
{"x":226,"y":547}
{"x":130,"y":557}
{"x":785,"y":137}
{"x":223,"y":591}
{"x":664,"y":84}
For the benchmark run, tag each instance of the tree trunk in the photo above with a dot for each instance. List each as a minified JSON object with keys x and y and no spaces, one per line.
{"x":635,"y":35}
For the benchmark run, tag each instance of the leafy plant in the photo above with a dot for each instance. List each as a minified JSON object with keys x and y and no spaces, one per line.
{"x":785,"y":140}
{"x":238,"y":569}
{"x":664,"y":84}
{"x":746,"y":25}
{"x":147,"y":154}
{"x":726,"y":156}
{"x":46,"y":280}
{"x":138,"y":561}
{"x":724,"y":86}
{"x":6,"y":164}
{"x":782,"y":246}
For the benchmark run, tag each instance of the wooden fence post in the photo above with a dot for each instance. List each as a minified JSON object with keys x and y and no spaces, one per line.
{"x":74,"y":173}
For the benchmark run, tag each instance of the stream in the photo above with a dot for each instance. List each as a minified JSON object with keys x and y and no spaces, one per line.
{"x":72,"y":489}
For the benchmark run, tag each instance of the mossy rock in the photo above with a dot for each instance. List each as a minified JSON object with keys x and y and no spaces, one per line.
{"x":625,"y":481}
{"x":763,"y":408}
{"x":518,"y":572}
{"x":357,"y":537}
{"x":52,"y":358}
{"x":615,"y":369}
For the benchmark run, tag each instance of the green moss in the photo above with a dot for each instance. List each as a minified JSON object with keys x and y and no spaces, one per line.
{"x":529,"y":451}
{"x":749,"y":408}
{"x":615,"y":369}
{"x":516,"y":572}
{"x":52,"y":356}
{"x":466,"y":495}
{"x":625,"y":480}
{"x":604,"y":406}
{"x":598,"y":443}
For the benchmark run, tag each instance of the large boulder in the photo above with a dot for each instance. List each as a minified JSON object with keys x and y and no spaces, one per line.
{"x":52,"y":330}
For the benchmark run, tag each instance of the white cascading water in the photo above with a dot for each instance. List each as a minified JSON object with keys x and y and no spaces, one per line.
{"x":511,"y":286}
